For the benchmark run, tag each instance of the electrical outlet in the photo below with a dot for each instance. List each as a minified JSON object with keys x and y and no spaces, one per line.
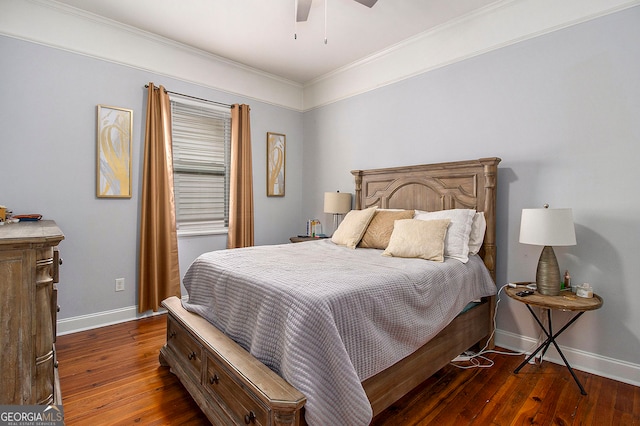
{"x":119,"y":284}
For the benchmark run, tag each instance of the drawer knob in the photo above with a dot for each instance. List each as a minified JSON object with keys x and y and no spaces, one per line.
{"x":250,"y":418}
{"x":215,"y":379}
{"x":60,"y":261}
{"x":192,"y":355}
{"x":58,"y":308}
{"x":172,"y":334}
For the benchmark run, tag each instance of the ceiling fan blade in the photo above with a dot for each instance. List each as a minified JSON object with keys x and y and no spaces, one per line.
{"x":368,"y":3}
{"x":302,"y":12}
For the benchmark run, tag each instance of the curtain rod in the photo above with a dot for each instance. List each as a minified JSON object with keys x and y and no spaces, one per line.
{"x":146,"y":86}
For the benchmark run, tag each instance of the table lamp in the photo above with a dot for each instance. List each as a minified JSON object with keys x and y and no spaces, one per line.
{"x":547,"y":227}
{"x":337,"y":203}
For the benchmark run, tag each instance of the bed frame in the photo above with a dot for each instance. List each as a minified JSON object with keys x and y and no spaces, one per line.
{"x":233,"y":387}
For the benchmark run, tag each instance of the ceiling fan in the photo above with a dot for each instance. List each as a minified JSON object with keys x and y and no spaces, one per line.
{"x":303,"y":7}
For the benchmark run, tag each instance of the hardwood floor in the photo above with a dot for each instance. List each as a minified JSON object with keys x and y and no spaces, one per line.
{"x":111,"y":376}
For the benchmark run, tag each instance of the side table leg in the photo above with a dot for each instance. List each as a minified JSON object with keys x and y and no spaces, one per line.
{"x":582,"y":391}
{"x":551,"y":338}
{"x":544,"y":346}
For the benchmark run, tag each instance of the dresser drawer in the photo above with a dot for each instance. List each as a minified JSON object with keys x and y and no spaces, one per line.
{"x":188,"y":350}
{"x":233,"y":397}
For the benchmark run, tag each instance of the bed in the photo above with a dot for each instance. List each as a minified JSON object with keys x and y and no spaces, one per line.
{"x":234,"y":386}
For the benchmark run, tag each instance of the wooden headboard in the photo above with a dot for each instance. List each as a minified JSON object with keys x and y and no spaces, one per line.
{"x":461,"y":184}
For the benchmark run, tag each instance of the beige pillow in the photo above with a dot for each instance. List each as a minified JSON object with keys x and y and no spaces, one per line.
{"x":352,"y":227}
{"x":423,"y":239}
{"x":379,"y":230}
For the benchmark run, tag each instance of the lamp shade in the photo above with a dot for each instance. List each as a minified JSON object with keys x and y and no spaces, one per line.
{"x":547,"y":227}
{"x":337,"y":202}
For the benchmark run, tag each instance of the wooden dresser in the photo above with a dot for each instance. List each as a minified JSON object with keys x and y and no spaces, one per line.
{"x":28,"y":309}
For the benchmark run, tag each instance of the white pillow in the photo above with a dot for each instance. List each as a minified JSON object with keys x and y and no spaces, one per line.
{"x":422,"y":239}
{"x":456,"y":243}
{"x":353,"y":227}
{"x":478,"y":228}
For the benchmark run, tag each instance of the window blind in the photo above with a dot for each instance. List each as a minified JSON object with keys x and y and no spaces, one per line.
{"x":201,"y":149}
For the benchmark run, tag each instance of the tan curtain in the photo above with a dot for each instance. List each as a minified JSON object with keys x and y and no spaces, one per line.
{"x":159,"y":271}
{"x":241,"y":181}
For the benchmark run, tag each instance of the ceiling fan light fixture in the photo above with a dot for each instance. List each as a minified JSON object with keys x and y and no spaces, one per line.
{"x":368,"y":3}
{"x":302,"y":10}
{"x":304,"y":6}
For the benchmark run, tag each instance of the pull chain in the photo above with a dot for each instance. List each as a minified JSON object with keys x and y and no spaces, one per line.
{"x":325,"y":20}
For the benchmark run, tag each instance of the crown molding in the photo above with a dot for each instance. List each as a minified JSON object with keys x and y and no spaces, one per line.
{"x":40,"y":21}
{"x":495,"y":26}
{"x":498,"y":25}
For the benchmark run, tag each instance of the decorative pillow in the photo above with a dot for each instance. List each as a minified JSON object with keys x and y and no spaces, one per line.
{"x":422,"y":239}
{"x":381,"y":226}
{"x":352,"y":227}
{"x":456,"y":243}
{"x":478,"y":228}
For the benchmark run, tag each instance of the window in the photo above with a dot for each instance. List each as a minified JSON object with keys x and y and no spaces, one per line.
{"x":201,"y":149}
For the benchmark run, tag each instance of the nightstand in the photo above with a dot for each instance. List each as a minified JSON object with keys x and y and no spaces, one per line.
{"x":299,"y":239}
{"x":565,"y":301}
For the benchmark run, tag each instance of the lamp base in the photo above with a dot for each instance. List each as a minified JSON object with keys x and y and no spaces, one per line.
{"x":548,"y":273}
{"x":336,"y":221}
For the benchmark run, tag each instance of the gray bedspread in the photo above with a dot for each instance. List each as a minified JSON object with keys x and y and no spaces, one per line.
{"x":325,"y":317}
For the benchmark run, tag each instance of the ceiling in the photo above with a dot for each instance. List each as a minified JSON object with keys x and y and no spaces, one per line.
{"x":260,"y":33}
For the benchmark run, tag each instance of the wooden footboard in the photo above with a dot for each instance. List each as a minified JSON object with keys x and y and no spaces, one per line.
{"x":229,"y":385}
{"x":233,"y":387}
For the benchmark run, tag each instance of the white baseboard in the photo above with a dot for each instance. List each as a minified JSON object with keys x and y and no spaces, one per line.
{"x":622,"y":371}
{"x":102,"y":319}
{"x":599,"y":365}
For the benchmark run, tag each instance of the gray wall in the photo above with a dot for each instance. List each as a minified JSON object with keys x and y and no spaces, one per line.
{"x":47,"y":166}
{"x":563,"y":112}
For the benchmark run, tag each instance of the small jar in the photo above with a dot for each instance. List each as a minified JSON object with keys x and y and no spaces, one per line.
{"x":585,"y":291}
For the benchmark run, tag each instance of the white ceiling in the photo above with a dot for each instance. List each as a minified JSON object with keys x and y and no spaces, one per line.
{"x":260,"y":33}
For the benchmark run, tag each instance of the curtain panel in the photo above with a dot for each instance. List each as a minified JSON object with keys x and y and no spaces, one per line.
{"x":158,"y":269}
{"x":241,"y":232}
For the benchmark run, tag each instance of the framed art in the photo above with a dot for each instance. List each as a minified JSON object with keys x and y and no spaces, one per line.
{"x":276,"y":155}
{"x":113,"y":166}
